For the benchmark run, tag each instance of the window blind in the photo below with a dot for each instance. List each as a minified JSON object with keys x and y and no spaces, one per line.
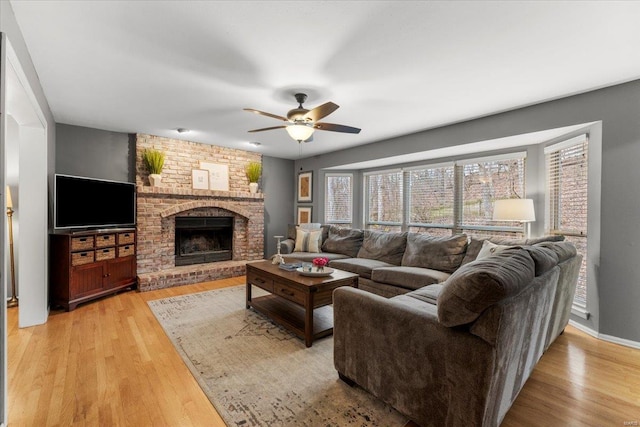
{"x":384,"y":201}
{"x":338,"y":200}
{"x":567,"y":177}
{"x":489,"y":179}
{"x":431,"y":196}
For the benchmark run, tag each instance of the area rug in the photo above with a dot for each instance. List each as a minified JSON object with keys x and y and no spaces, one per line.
{"x":256,"y":373}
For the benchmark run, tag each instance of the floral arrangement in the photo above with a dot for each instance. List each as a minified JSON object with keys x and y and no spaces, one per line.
{"x":320,"y":263}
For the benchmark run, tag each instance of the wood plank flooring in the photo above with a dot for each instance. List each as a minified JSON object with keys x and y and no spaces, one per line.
{"x":109,"y":363}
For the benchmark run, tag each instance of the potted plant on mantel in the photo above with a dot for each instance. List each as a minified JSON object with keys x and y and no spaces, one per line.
{"x":253,"y":171}
{"x":154,"y":161}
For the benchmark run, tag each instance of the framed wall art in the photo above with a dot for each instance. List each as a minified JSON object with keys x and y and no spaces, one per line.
{"x":218,"y":175}
{"x":304,"y":214}
{"x":200,"y":179}
{"x":305,"y":187}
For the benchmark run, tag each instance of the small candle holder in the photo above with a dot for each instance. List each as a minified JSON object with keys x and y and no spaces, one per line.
{"x":277,"y":258}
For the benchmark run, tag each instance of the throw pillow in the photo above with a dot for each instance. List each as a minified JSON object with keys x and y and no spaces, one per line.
{"x":308,"y":241}
{"x":489,"y":249}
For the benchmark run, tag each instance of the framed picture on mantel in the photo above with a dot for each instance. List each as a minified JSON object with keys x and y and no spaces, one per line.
{"x":305,"y":187}
{"x":200,"y":179}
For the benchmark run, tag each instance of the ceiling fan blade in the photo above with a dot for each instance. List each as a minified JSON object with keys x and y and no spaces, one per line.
{"x":336,"y":128}
{"x":262,"y":113}
{"x":271,"y":128}
{"x":321,"y":111}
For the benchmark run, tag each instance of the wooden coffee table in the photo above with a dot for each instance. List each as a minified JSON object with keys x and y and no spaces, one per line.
{"x":299,"y":303}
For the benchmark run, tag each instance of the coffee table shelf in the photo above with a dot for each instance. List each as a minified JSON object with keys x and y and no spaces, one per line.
{"x":292,"y":316}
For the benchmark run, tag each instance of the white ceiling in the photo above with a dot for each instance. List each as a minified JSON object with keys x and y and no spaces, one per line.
{"x":394,"y":67}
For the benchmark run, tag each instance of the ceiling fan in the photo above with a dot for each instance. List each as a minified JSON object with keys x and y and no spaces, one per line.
{"x":301,"y":123}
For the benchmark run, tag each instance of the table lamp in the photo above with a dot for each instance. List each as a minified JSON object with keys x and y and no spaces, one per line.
{"x":520,"y":210}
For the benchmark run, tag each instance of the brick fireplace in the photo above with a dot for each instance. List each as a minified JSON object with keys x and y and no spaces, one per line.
{"x":159,"y":207}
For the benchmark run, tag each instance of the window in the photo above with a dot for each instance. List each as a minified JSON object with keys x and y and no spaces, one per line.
{"x":338,"y":199}
{"x":485,"y":181}
{"x":384,"y":200}
{"x":431,"y":198}
{"x":566,"y":165}
{"x":443,"y":199}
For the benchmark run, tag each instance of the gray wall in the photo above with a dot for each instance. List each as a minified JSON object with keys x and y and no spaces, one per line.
{"x":95,"y":153}
{"x":617,"y":275}
{"x":277,"y":186}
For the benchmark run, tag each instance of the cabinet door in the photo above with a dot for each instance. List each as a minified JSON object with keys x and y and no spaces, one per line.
{"x":87,"y":280}
{"x":121,"y":271}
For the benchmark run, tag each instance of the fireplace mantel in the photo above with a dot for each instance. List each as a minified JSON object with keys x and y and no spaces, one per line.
{"x":172,"y":191}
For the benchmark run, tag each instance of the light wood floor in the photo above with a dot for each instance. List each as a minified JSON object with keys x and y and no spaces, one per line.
{"x":109,"y":363}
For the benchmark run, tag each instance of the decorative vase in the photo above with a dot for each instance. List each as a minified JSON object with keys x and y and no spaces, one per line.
{"x":253,"y":187}
{"x":155,"y":179}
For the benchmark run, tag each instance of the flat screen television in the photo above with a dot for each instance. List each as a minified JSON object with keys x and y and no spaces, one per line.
{"x":81,"y":202}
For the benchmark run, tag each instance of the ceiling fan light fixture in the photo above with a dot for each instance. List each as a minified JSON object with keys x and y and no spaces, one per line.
{"x":300,"y":132}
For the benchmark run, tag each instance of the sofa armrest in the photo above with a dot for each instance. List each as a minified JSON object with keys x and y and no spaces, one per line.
{"x":286,"y":246}
{"x":398,"y":351}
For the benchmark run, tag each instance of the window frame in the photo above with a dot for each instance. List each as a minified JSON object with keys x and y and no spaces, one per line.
{"x":458,"y":226}
{"x":551,"y":225}
{"x":327,"y":176}
{"x":365,"y":193}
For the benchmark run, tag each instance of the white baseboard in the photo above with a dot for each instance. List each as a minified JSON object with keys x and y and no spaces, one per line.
{"x":621,"y":341}
{"x":583,"y":328}
{"x":604,"y":337}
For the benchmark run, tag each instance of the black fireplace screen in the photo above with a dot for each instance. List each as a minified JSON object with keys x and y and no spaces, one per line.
{"x":203,"y":239}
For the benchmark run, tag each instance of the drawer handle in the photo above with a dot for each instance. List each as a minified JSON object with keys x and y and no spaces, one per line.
{"x":105,"y":251}
{"x":105,"y":237}
{"x":84,"y":254}
{"x":126,"y":248}
{"x":83,"y":239}
{"x":287,"y":292}
{"x":259,"y":280}
{"x":126,"y":235}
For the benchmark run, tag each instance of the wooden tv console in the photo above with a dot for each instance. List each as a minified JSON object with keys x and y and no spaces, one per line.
{"x":90,"y":264}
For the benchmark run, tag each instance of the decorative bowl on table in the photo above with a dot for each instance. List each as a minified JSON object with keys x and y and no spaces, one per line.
{"x":315,"y":271}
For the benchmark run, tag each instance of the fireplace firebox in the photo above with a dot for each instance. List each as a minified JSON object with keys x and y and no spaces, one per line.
{"x":201,"y":240}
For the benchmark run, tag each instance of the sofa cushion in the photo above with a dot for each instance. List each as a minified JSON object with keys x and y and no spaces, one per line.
{"x":408,"y":277}
{"x":308,"y":241}
{"x":346,"y":241}
{"x":360,"y":266}
{"x":437,"y":253}
{"x":476,"y":286}
{"x":428,"y":294}
{"x":383,"y":246}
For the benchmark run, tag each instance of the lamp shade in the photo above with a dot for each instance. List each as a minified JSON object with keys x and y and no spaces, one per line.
{"x":514,"y":210}
{"x":9,"y":201}
{"x":300,"y":132}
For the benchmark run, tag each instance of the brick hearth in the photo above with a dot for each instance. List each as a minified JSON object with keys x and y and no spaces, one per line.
{"x":157,"y":208}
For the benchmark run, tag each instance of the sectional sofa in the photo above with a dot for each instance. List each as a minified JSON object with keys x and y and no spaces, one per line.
{"x":447,"y":329}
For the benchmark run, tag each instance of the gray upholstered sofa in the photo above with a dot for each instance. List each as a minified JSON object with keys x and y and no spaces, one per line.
{"x":446,"y":337}
{"x":458,"y":353}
